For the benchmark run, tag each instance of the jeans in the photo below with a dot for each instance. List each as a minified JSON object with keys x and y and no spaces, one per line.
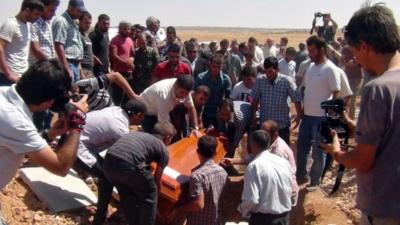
{"x":76,"y":73}
{"x":269,"y":219}
{"x":309,"y":137}
{"x":136,"y":188}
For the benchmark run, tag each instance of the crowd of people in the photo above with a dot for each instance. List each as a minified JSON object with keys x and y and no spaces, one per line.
{"x":77,"y":91}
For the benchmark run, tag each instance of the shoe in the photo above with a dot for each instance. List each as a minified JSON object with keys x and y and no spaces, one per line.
{"x":312,"y":187}
{"x":303,"y":180}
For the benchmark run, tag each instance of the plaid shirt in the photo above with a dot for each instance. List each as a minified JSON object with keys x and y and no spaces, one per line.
{"x":66,"y":32}
{"x":41,"y":33}
{"x":208,"y":180}
{"x":273,"y":96}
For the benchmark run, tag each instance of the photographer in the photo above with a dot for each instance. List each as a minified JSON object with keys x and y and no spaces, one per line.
{"x":326,"y":31}
{"x":43,"y":86}
{"x":376,"y":156}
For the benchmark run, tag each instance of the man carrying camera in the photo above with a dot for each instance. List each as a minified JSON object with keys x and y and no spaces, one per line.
{"x":376,"y":156}
{"x":44,"y":86}
{"x":326,"y":31}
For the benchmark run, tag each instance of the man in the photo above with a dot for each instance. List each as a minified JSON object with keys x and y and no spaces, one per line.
{"x":121,"y":56}
{"x":219,"y":85}
{"x":301,"y":55}
{"x":44,"y":86}
{"x":146,"y":59}
{"x":283,"y":43}
{"x":97,"y":89}
{"x":41,"y":48}
{"x":258,"y":53}
{"x":14,"y":42}
{"x":232,"y":65}
{"x":243,"y":49}
{"x":198,"y":63}
{"x":375,"y":156}
{"x":241,"y":91}
{"x":200,"y":96}
{"x":322,"y":82}
{"x":326,"y":31}
{"x":67,"y":39}
{"x":170,"y":97}
{"x":271,"y":93}
{"x":127,"y":166}
{"x":205,"y":187}
{"x":270,"y":49}
{"x":103,"y":128}
{"x":287,"y":65}
{"x":267,"y":185}
{"x":154,"y":31}
{"x":42,"y":45}
{"x":87,"y":61}
{"x":171,"y":39}
{"x":171,"y":68}
{"x":100,"y":42}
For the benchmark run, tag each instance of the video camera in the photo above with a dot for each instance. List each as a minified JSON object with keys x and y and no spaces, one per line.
{"x":320,"y":14}
{"x":334,"y":120}
{"x":62,"y":104}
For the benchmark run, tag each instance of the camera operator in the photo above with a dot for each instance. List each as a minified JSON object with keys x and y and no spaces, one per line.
{"x":326,"y":31}
{"x":376,"y":156}
{"x":43,"y":86}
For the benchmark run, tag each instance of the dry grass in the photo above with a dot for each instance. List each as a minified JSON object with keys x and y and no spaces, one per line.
{"x":242,"y":34}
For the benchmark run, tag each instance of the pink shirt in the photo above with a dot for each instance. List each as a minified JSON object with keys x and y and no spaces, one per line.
{"x":279,"y":147}
{"x":124,"y":46}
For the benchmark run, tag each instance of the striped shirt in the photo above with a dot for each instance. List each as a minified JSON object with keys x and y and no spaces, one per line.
{"x":41,"y":33}
{"x":66,"y":32}
{"x":273,"y":96}
{"x":207,"y":180}
{"x":96,"y":88}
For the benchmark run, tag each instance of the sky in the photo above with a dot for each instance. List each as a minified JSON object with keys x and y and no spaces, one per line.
{"x":218,"y":13}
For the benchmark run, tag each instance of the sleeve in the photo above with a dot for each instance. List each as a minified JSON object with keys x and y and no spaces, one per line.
{"x":235,"y":93}
{"x":345,"y":89}
{"x":195,"y":186}
{"x":250,"y":192}
{"x":7,"y":31}
{"x":294,"y":95}
{"x":334,"y":81}
{"x":20,"y":136}
{"x":188,"y":70}
{"x":59,"y":32}
{"x":163,"y":112}
{"x":189,"y":101}
{"x":163,"y":158}
{"x":228,"y":87}
{"x":373,"y":118}
{"x":34,"y":30}
{"x":254,"y":94}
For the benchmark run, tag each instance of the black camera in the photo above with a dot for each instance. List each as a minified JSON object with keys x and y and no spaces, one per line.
{"x":61,"y":103}
{"x":333,"y":120}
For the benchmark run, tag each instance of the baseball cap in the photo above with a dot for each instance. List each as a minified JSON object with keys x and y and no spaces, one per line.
{"x":78,"y":4}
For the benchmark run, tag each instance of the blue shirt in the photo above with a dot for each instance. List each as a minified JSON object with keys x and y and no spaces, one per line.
{"x":220,"y":88}
{"x":272,"y":96}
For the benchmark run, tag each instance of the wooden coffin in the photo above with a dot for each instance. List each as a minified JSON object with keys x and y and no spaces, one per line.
{"x":183,"y":158}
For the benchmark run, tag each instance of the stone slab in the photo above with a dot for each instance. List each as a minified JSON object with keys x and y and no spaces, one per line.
{"x":60,"y":193}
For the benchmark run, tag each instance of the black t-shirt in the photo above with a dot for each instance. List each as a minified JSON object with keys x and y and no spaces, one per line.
{"x":100,"y":44}
{"x":87,"y":61}
{"x":140,"y":149}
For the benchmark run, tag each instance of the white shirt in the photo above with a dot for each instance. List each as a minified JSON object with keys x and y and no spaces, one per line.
{"x":103,"y":128}
{"x":18,"y":134}
{"x":320,"y":81}
{"x":160,"y":99}
{"x":270,"y":51}
{"x":258,"y":56}
{"x":267,"y":185}
{"x":240,"y":92}
{"x":345,"y":89}
{"x":287,"y":68}
{"x":17,"y":35}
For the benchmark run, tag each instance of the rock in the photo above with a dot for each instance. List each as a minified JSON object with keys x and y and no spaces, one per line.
{"x":37,"y":217}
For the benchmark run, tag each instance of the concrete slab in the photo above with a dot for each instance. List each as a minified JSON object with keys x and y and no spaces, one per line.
{"x":60,"y":193}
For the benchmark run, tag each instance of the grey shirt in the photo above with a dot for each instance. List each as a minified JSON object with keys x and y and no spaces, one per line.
{"x":140,"y":149}
{"x":379,"y":125}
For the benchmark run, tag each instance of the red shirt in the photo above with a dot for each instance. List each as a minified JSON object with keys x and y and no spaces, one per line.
{"x":124,"y":46}
{"x":164,"y":71}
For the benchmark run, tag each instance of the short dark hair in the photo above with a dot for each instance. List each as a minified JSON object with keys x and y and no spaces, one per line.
{"x":32,"y":5}
{"x":271,"y":62}
{"x":227,"y":102}
{"x":50,"y":2}
{"x":43,"y":81}
{"x":248,"y":71}
{"x":190,"y":46}
{"x":291,"y":51}
{"x":252,"y":40}
{"x":207,"y":146}
{"x":171,"y":29}
{"x":218,"y":58}
{"x":85,"y":14}
{"x":224,"y":41}
{"x":133,"y":106}
{"x":164,"y":128}
{"x":203,"y":89}
{"x":302,"y":46}
{"x":284,"y":39}
{"x":260,"y":138}
{"x":274,"y":126}
{"x":174,"y":48}
{"x":185,"y":81}
{"x":242,"y":45}
{"x":103,"y":17}
{"x":376,"y":26}
{"x":319,"y":42}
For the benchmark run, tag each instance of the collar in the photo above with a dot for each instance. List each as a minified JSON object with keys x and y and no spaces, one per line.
{"x":278,"y":78}
{"x":208,"y":162}
{"x":68,"y":18}
{"x":266,"y":151}
{"x":220,"y":75}
{"x":15,"y":99}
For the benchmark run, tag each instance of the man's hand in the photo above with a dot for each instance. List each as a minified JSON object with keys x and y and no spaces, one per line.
{"x":129,"y":63}
{"x":82,"y":104}
{"x":227,"y":161}
{"x":59,"y":128}
{"x":13,"y":77}
{"x":196,"y":133}
{"x":333,"y":147}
